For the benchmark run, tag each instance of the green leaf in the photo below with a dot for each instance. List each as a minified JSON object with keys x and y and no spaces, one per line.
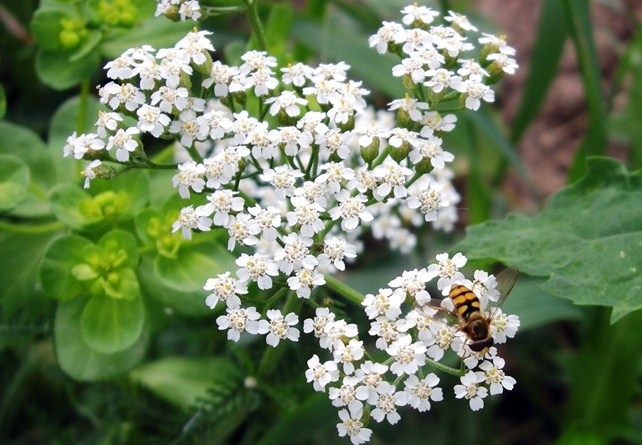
{"x":56,"y":267}
{"x":22,"y":298}
{"x":75,"y":208}
{"x":536,"y":308}
{"x":578,"y":20}
{"x":184,"y":381}
{"x":132,"y":187}
{"x":88,"y":45}
{"x":586,"y":242}
{"x":44,"y":166}
{"x":57,"y":70}
{"x":110,"y":325}
{"x":186,"y":303}
{"x":193,"y":266}
{"x":46,"y":27}
{"x":14,"y":179}
{"x":547,"y":51}
{"x":80,"y":361}
{"x":121,"y":244}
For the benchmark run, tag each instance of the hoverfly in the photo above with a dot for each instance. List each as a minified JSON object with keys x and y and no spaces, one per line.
{"x":472,"y":319}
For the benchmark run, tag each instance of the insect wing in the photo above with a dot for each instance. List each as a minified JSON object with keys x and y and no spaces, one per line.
{"x":505,"y":281}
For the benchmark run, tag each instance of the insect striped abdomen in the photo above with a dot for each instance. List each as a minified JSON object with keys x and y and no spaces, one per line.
{"x":465,"y":301}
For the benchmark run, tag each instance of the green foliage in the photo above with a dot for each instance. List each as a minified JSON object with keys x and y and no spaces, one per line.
{"x":95,"y":283}
{"x":14,"y":179}
{"x":586,"y":241}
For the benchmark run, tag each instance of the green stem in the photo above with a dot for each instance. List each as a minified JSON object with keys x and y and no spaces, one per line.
{"x":343,"y":289}
{"x":31,"y":229}
{"x":255,"y":21}
{"x":272,"y":355}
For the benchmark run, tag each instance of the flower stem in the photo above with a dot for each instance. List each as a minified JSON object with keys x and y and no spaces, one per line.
{"x":344,"y":290}
{"x":272,"y":355}
{"x":255,"y":21}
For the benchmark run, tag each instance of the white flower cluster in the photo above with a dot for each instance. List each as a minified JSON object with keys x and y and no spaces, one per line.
{"x":179,"y":9}
{"x":294,"y":166}
{"x":415,"y":334}
{"x":434,"y":55}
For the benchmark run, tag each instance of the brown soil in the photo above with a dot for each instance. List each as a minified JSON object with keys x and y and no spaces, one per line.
{"x":549,"y":144}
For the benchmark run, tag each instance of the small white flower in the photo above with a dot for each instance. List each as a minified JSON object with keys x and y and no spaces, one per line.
{"x":238,"y":320}
{"x":287,"y":101}
{"x":321,"y":373}
{"x":295,"y":254}
{"x":349,"y":394}
{"x":351,"y":210}
{"x":189,"y":220}
{"x":259,"y":268}
{"x":90,"y":172}
{"x":352,"y":426}
{"x":346,"y":354}
{"x":224,"y":288}
{"x":79,"y":145}
{"x":334,"y":251}
{"x":408,"y":356}
{"x":304,"y":280}
{"x":448,"y":270}
{"x":221,"y":204}
{"x":279,"y":327}
{"x":495,"y":376}
{"x":421,"y":392}
{"x":152,"y":120}
{"x":386,"y":403}
{"x":283,"y":179}
{"x":389,"y":32}
{"x":190,"y":175}
{"x":471,"y":389}
{"x":385,"y":303}
{"x":413,"y":284}
{"x":317,"y":325}
{"x":503,"y":326}
{"x":338,"y":332}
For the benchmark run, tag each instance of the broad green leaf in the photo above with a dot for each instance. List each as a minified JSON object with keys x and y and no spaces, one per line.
{"x":14,"y":179}
{"x":80,"y":361}
{"x":184,"y":381}
{"x":75,"y":208}
{"x":21,"y":294}
{"x":110,"y":325}
{"x":587,"y":241}
{"x":88,"y":45}
{"x":182,"y":302}
{"x":43,"y":166}
{"x":46,"y":27}
{"x":536,"y":308}
{"x":56,"y":268}
{"x":56,"y":69}
{"x":194,"y":265}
